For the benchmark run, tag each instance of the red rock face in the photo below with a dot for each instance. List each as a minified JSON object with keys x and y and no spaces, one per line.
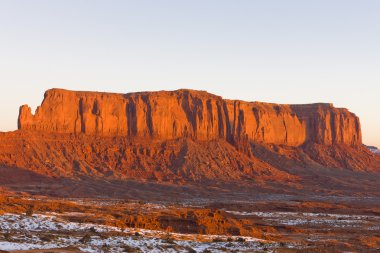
{"x":198,"y":115}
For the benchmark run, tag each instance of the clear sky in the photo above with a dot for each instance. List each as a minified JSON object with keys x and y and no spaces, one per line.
{"x":275,"y":51}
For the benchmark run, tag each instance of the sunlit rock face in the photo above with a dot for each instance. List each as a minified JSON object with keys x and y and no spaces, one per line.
{"x":197,"y":115}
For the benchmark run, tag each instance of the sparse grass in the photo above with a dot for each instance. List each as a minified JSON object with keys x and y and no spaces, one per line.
{"x":160,"y":219}
{"x":129,"y":215}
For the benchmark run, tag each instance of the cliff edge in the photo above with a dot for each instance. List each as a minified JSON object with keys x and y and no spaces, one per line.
{"x":167,"y":115}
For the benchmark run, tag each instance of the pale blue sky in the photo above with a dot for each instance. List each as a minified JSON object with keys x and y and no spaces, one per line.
{"x":275,"y":51}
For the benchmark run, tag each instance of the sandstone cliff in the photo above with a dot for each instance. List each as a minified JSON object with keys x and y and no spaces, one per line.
{"x":198,"y":115}
{"x":183,"y":137}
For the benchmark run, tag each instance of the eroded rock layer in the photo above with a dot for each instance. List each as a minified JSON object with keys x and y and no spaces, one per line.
{"x":198,"y":115}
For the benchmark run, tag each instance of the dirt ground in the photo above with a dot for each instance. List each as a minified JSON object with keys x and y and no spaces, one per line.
{"x":286,"y":225}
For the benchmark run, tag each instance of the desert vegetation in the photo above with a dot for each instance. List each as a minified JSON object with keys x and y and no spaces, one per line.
{"x":109,"y":225}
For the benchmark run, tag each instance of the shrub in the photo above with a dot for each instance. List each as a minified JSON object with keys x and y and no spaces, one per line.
{"x":47,"y":238}
{"x":7,"y":236}
{"x":190,"y":250}
{"x":85,"y":239}
{"x":169,"y":240}
{"x":105,"y":248}
{"x":29,"y":211}
{"x":217,"y":240}
{"x":130,"y":249}
{"x":240,"y":239}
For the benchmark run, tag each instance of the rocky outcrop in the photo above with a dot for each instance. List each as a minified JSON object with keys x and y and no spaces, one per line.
{"x":176,"y":161}
{"x":373,"y":149}
{"x":198,"y":115}
{"x":91,"y":143}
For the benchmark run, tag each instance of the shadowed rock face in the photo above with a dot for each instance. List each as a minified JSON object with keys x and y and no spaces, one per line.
{"x":198,"y":115}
